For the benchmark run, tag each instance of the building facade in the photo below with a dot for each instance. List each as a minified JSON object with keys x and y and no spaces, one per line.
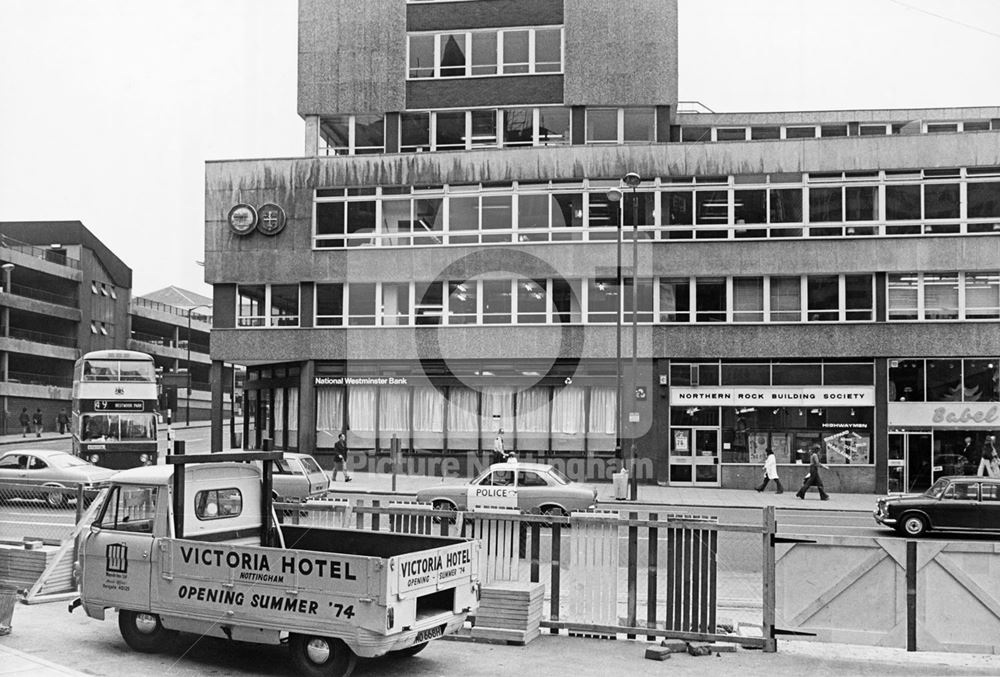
{"x":65,"y":293}
{"x":459,"y":252}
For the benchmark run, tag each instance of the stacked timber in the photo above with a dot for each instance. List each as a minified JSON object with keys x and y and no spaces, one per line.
{"x":509,"y":612}
{"x":22,"y":563}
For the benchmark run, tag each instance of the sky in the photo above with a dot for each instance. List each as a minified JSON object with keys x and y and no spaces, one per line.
{"x":110,"y":108}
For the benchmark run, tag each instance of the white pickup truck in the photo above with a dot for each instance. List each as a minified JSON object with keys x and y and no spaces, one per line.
{"x":194,"y":546}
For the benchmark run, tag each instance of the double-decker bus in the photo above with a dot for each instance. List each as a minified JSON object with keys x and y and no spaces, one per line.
{"x":114,"y":408}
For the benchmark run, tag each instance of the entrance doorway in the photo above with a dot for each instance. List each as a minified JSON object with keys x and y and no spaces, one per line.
{"x":694,"y":457}
{"x":910,"y":468}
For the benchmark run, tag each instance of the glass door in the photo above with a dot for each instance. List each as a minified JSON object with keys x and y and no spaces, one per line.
{"x":910,"y":469}
{"x":694,"y":456}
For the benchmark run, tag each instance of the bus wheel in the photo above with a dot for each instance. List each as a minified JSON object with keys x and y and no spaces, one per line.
{"x":315,"y":656}
{"x":143,"y":632}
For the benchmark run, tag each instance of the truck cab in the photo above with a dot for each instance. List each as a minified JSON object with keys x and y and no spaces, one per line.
{"x":194,"y":546}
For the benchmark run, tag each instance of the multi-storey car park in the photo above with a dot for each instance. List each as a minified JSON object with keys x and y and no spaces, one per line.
{"x":458,"y":251}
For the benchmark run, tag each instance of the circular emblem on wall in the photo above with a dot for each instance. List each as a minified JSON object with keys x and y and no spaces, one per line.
{"x":271,"y":219}
{"x":242,"y":219}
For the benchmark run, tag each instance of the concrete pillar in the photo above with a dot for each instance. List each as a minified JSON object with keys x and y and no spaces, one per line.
{"x":215,"y":378}
{"x":307,"y":407}
{"x":312,"y":136}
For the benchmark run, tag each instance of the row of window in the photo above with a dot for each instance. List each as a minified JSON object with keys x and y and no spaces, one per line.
{"x":954,"y":380}
{"x":486,"y":52}
{"x":103,"y":289}
{"x":881,"y":203}
{"x":812,"y":298}
{"x":700,"y":133}
{"x":422,"y":131}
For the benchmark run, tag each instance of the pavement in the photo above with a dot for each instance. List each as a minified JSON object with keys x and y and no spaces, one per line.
{"x":46,"y":641}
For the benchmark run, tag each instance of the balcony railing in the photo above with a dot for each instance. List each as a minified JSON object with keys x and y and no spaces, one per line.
{"x":40,"y":295}
{"x":152,"y":339}
{"x":39,"y":379}
{"x":167,"y":308}
{"x":52,"y":255}
{"x":42,"y":337}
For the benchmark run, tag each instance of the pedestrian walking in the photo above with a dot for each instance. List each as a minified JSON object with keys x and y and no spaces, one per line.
{"x":813,"y":479}
{"x":340,"y":458}
{"x":62,"y":419}
{"x":499,"y":455}
{"x":36,"y":420}
{"x":989,"y":462}
{"x":25,"y":420}
{"x":771,"y":473}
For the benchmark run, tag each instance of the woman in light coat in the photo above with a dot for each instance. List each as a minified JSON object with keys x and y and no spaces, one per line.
{"x":771,"y":473}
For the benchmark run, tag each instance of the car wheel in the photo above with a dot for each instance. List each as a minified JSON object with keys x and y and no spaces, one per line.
{"x":410,"y":650}
{"x":913,"y":525}
{"x":55,"y":499}
{"x":143,"y":632}
{"x":444,"y":505}
{"x":316,"y":656}
{"x":553,"y":511}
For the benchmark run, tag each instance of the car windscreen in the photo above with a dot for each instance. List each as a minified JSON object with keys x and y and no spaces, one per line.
{"x":937,"y":489}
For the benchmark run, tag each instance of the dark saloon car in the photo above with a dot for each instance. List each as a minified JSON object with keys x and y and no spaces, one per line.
{"x":957,"y":503}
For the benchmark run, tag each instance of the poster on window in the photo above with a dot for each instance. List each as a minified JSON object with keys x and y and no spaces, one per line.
{"x":758,"y":447}
{"x":847,"y":447}
{"x":681,"y":441}
{"x":780,"y":445}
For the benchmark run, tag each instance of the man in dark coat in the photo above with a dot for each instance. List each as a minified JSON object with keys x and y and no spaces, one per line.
{"x":813,"y":479}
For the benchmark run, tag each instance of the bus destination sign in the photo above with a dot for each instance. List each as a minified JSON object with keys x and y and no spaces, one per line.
{"x":119,"y":405}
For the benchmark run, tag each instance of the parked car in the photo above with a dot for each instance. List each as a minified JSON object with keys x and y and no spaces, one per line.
{"x":298,"y":477}
{"x":47,"y":471}
{"x":531,"y":487}
{"x":956,"y":503}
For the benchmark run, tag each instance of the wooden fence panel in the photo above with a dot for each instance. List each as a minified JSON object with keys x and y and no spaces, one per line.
{"x":592,"y":570}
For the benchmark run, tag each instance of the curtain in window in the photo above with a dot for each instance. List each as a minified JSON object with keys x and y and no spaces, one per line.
{"x":329,"y":416}
{"x":428,"y":419}
{"x":463,"y":419}
{"x":602,"y":419}
{"x":497,"y":401}
{"x":532,"y":421}
{"x":361,"y":417}
{"x":293,"y":417}
{"x":748,"y":299}
{"x":394,"y":416}
{"x":569,"y":418}
{"x":279,"y":412}
{"x":786,"y":299}
{"x":941,"y":296}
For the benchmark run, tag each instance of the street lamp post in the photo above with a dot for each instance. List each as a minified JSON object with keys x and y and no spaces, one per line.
{"x":632,"y":180}
{"x":615,"y":197}
{"x":187,"y":400}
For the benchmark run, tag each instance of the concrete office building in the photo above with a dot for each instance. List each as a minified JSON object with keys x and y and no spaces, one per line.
{"x":453,"y":255}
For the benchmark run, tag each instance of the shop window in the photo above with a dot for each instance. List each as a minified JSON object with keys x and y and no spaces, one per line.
{"x":944,"y":381}
{"x":710,"y":300}
{"x":981,"y":380}
{"x":823,"y":293}
{"x":675,"y":300}
{"x":741,"y":374}
{"x":694,"y":416}
{"x":906,"y":380}
{"x":786,"y":299}
{"x":329,"y":304}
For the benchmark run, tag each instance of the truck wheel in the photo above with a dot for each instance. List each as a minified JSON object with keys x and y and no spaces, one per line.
{"x":143,"y":632}
{"x":315,"y":656}
{"x":410,"y":650}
